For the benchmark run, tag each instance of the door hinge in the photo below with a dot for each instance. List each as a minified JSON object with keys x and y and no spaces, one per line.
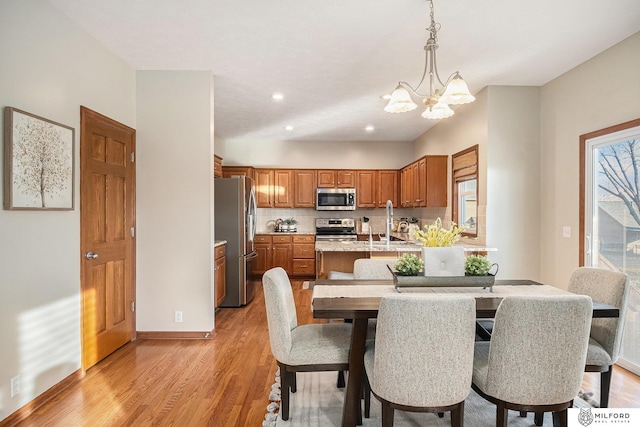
{"x":133,"y":306}
{"x":133,"y":157}
{"x":133,"y":232}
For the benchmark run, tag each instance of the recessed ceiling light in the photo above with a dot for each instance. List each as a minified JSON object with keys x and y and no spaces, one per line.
{"x":288,"y":128}
{"x":277,"y":96}
{"x":370,"y":128}
{"x":386,"y":97}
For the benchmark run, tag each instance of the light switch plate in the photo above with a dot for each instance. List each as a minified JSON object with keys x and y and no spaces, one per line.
{"x":566,"y":231}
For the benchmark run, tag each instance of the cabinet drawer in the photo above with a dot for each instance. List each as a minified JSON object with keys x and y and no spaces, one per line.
{"x":281,"y":239}
{"x":262,"y":238}
{"x":304,"y":250}
{"x":304,"y":239}
{"x":304,"y":267}
{"x":220,"y":251}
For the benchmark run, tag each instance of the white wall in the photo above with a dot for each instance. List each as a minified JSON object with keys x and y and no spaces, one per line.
{"x":175,"y":203}
{"x":319,"y":155}
{"x":599,"y":93}
{"x":48,"y":67}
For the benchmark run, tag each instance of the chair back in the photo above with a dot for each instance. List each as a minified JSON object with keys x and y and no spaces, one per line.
{"x":373,"y":268}
{"x":538,"y":349}
{"x":424,"y":349}
{"x":608,"y":287}
{"x":281,"y":311}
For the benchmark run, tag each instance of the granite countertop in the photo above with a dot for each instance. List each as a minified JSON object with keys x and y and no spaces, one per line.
{"x":219,"y":243}
{"x":363,"y":246}
{"x":293,"y":233}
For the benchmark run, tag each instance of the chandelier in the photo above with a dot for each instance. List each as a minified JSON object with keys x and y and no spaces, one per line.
{"x":453,"y":92}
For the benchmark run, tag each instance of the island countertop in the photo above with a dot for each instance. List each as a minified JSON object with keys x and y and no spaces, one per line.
{"x":381,"y":246}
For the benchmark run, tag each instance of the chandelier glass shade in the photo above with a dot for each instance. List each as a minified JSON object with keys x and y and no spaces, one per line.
{"x":453,"y":92}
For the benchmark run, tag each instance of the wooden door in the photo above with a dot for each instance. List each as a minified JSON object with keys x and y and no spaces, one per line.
{"x":107,"y":221}
{"x":387,"y":188}
{"x":262,"y":246}
{"x":305,"y":188}
{"x":283,"y":188}
{"x":264,"y":188}
{"x":346,"y":179}
{"x":366,"y":189}
{"x":326,"y":178}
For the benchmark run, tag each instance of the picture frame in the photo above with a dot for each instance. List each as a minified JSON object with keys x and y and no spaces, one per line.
{"x":39,"y":162}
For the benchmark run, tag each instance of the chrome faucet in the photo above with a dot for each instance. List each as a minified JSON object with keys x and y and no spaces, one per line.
{"x":389,"y":212}
{"x":370,"y":239}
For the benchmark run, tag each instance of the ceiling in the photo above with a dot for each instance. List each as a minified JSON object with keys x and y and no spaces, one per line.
{"x":333,"y":59}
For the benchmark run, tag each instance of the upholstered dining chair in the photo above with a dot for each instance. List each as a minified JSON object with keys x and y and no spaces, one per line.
{"x":373,"y":268}
{"x":612,"y":288}
{"x":300,"y":348}
{"x":422,"y":358}
{"x":535,"y":359}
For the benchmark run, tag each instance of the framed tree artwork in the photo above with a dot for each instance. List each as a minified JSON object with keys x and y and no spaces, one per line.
{"x":38,"y":162}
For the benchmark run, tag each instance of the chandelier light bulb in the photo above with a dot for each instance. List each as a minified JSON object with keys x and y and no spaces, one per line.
{"x":400,"y":101}
{"x":438,"y":111}
{"x":457,"y":92}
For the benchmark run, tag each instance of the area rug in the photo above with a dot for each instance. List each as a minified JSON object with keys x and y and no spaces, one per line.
{"x":318,"y":403}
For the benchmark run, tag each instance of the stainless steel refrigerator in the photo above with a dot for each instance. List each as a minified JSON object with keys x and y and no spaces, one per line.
{"x":235,"y":222}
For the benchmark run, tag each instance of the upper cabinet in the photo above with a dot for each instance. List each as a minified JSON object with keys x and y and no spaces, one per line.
{"x":264,"y":188}
{"x":231,"y":171}
{"x":217,"y":166}
{"x":328,"y":178}
{"x":387,"y":188}
{"x":305,"y":188}
{"x":424,"y":183}
{"x":283,"y":188}
{"x":375,"y":187}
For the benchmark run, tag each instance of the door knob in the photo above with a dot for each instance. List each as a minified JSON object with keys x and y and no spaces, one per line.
{"x":90,"y":255}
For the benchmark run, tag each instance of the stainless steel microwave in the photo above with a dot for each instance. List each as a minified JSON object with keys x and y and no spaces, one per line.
{"x":336,"y":199}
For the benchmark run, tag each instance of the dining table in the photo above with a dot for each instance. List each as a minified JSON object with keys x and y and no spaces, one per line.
{"x":359,"y":300}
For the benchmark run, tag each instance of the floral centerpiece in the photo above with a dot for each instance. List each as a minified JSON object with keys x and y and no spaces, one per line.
{"x":440,"y":256}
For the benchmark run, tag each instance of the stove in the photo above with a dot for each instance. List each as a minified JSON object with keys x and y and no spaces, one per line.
{"x":335,"y":229}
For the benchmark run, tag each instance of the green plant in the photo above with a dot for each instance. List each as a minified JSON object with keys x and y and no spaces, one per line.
{"x":409,"y":265}
{"x":290,"y":221}
{"x":477,"y":265}
{"x":436,"y":236}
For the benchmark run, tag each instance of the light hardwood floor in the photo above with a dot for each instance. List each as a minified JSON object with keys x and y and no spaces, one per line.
{"x":223,"y":381}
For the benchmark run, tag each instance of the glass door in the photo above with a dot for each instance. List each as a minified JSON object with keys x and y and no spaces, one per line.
{"x":612,"y":220}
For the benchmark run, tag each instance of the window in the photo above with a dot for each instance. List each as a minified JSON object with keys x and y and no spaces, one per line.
{"x":465,"y":190}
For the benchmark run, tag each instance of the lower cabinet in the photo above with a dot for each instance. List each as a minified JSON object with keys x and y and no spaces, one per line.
{"x":294,"y":253}
{"x":219,"y":274}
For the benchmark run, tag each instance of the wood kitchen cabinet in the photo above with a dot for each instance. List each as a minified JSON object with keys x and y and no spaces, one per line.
{"x":304,"y":255}
{"x":304,"y":184}
{"x":231,"y":171}
{"x":264,"y":188}
{"x":424,"y":183}
{"x":387,"y":188}
{"x":217,"y":166}
{"x":273,"y":251}
{"x":340,"y":178}
{"x":436,"y":181}
{"x":366,"y":188}
{"x":219,"y":274}
{"x":283,"y":188}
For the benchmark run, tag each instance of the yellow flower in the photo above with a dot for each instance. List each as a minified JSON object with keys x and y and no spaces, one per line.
{"x":436,"y":236}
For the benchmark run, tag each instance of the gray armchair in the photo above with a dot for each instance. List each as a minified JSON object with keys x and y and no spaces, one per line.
{"x":535,"y":359}
{"x":300,"y":348}
{"x":612,"y":288}
{"x":422,"y":358}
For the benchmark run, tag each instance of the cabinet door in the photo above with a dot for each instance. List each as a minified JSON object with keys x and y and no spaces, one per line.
{"x":346,"y":179}
{"x":326,"y":178}
{"x":282,"y":256}
{"x":305,"y":188}
{"x":217,"y":166}
{"x":366,"y":189}
{"x":262,"y":246}
{"x":231,"y":171}
{"x":264,"y":188}
{"x":219,"y":277}
{"x":421,"y":182}
{"x":436,"y":181}
{"x":283,"y":188}
{"x":387,"y":188}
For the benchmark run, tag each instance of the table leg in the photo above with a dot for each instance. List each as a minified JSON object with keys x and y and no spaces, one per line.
{"x":352,"y":407}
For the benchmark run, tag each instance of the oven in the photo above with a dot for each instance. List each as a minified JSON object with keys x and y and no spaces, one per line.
{"x":335,"y":229}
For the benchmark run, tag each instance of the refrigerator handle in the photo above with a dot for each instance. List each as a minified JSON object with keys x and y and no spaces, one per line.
{"x":252,"y":214}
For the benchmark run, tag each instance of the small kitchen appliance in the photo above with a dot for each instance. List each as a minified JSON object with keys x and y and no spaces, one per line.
{"x":335,"y":229}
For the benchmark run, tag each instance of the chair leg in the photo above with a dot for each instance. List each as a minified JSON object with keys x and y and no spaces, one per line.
{"x":367,"y":396}
{"x":340,"y":379}
{"x":440,"y":414}
{"x":605,"y":384}
{"x":501,"y":415}
{"x":294,"y":382}
{"x":538,"y":418}
{"x":285,"y":386}
{"x":560,"y":418}
{"x":523,"y":414}
{"x":457,"y":415}
{"x":387,"y":414}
